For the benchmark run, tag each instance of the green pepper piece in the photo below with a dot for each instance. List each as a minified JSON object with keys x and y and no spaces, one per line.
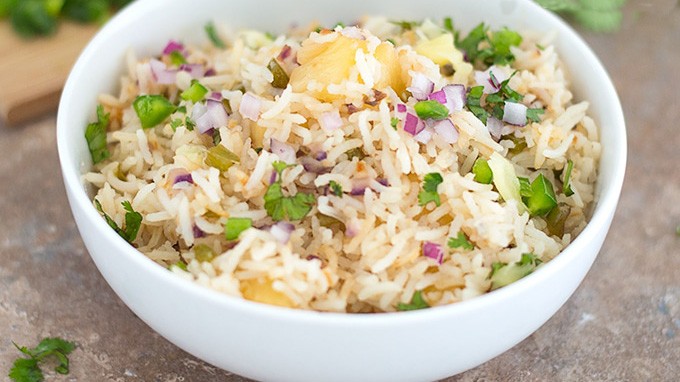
{"x":177,"y":58}
{"x":482,"y":171}
{"x":566,"y":186}
{"x":234,"y":226}
{"x":195,"y":92}
{"x":152,"y":109}
{"x":221,"y":158}
{"x":431,"y":109}
{"x":524,"y":187}
{"x":281,"y":78}
{"x":542,"y":199}
{"x":556,"y":219}
{"x":504,"y":274}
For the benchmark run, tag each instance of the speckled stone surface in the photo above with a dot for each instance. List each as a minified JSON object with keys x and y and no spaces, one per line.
{"x":622,"y":324}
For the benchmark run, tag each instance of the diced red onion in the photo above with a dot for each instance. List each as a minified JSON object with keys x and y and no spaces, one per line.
{"x":424,"y":136}
{"x":330,"y":120}
{"x":173,"y":46}
{"x":195,"y":70}
{"x":433,"y":251}
{"x":210,"y":72}
{"x":515,"y":113}
{"x":197,"y":231}
{"x":285,"y":53}
{"x":272,"y":177}
{"x":383,"y":181}
{"x":455,"y":97}
{"x":284,"y":151}
{"x":183,"y":178}
{"x":413,"y":125}
{"x":421,"y":86}
{"x":313,"y":165}
{"x":321,"y":155}
{"x":359,"y":186}
{"x":495,"y":127}
{"x":352,"y":228}
{"x":446,"y":130}
{"x":281,"y":231}
{"x":210,"y":116}
{"x":438,"y":96}
{"x":217,"y":96}
{"x":401,"y":108}
{"x":161,"y":73}
{"x":485,"y":79}
{"x":250,"y":107}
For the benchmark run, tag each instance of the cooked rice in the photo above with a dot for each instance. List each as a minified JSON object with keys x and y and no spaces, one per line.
{"x":373,"y":260}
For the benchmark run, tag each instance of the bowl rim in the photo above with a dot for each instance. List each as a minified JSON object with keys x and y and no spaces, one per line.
{"x":603,"y":209}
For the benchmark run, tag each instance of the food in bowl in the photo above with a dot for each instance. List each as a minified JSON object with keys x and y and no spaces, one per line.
{"x":372,"y":168}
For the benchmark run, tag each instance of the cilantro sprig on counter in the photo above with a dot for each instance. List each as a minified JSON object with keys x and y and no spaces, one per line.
{"x":281,"y":207}
{"x":28,"y":369}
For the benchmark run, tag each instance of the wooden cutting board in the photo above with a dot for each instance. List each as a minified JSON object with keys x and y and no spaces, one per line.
{"x":33,"y":72}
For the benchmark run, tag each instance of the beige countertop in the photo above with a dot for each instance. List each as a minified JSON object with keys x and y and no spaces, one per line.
{"x":622,"y":324}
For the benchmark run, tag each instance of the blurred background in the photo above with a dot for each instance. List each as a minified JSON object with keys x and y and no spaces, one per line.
{"x":622,"y":324}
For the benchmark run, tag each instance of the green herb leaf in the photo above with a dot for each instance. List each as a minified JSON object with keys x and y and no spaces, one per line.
{"x":281,"y":78}
{"x":279,"y":166}
{"x":177,"y":58}
{"x":461,"y":241}
{"x":474,"y":98}
{"x":394,"y":122}
{"x":336,"y":188}
{"x":482,"y":171}
{"x":86,"y":11}
{"x":417,"y":302}
{"x":524,"y":187}
{"x":32,"y":18}
{"x":152,"y":109}
{"x":542,"y":199}
{"x":501,"y":41}
{"x":406,"y":25}
{"x":281,"y":207}
{"x":566,"y":186}
{"x":211,"y":31}
{"x":448,"y":24}
{"x":195,"y":92}
{"x":431,"y":109}
{"x":234,"y":226}
{"x":470,"y":44}
{"x":429,"y":191}
{"x":221,"y":158}
{"x":95,"y":135}
{"x":534,"y":114}
{"x":133,"y":221}
{"x":181,"y":265}
{"x":26,"y":370}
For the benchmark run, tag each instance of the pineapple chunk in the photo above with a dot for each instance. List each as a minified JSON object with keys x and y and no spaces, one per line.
{"x":391,"y":68}
{"x":262,"y":291}
{"x":442,"y":51}
{"x":325,"y":63}
{"x":257,"y":134}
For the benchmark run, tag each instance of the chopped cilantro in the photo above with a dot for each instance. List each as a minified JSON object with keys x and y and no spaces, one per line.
{"x":175,"y":123}
{"x":28,"y":369}
{"x":461,"y":241}
{"x":152,"y":109}
{"x":211,"y":31}
{"x":431,"y":109}
{"x":217,"y":137}
{"x":394,"y":122}
{"x":234,"y":226}
{"x":181,"y":265}
{"x":534,"y":114}
{"x":496,"y":49}
{"x":221,"y":158}
{"x":406,"y":25}
{"x":281,"y":207}
{"x":566,"y":186}
{"x":95,"y":135}
{"x":417,"y":302}
{"x":473,"y":104}
{"x":429,"y":191}
{"x":133,"y":221}
{"x":504,"y":274}
{"x":355,"y":152}
{"x":448,"y":24}
{"x":336,"y":188}
{"x":280,"y":77}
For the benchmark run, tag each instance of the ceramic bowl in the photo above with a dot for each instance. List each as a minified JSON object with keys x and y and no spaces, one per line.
{"x":271,"y":343}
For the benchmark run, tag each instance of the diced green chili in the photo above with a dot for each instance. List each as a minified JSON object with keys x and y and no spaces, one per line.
{"x":234,"y":226}
{"x":281,"y":78}
{"x":152,"y":109}
{"x":177,"y":58}
{"x":556,"y":219}
{"x":431,"y":109}
{"x":221,"y":158}
{"x":566,"y":186}
{"x":482,"y":171}
{"x":504,"y":274}
{"x":542,"y":199}
{"x":195,"y":92}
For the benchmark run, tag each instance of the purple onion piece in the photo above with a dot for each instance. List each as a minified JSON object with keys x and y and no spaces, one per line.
{"x":195,"y":70}
{"x":433,"y":251}
{"x":446,"y":130}
{"x":173,"y":46}
{"x":281,"y":231}
{"x":284,"y":151}
{"x":198,"y":232}
{"x":250,"y":107}
{"x":272,"y":177}
{"x":210,"y":72}
{"x":413,"y":125}
{"x":439,"y":96}
{"x":515,"y":113}
{"x":401,"y":108}
{"x":312,"y":165}
{"x":161,"y":73}
{"x":455,"y":97}
{"x":495,"y":127}
{"x":421,"y":87}
{"x":183,"y":178}
{"x":321,"y":155}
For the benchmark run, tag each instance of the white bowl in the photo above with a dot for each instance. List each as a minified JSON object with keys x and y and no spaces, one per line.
{"x":272,"y":343}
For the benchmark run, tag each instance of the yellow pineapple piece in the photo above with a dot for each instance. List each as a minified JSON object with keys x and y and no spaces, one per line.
{"x":263,"y":291}
{"x":257,"y":134}
{"x":325,"y":63}
{"x":442,"y":51}
{"x":392,"y":73}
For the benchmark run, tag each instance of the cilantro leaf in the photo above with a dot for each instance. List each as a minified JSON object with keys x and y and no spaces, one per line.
{"x":281,"y":207}
{"x":470,"y":44}
{"x":566,"y":186}
{"x":534,"y":114}
{"x":133,"y":221}
{"x":417,"y":302}
{"x":406,"y":25}
{"x":28,"y":369}
{"x":211,"y":31}
{"x":501,"y":41}
{"x":429,"y":191}
{"x":336,"y":188}
{"x":394,"y":122}
{"x":474,"y":98}
{"x":95,"y":135}
{"x":489,"y":47}
{"x":461,"y":241}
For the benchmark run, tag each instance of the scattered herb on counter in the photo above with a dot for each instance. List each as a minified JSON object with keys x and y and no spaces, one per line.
{"x":281,"y":207}
{"x":417,"y":302}
{"x":95,"y":135}
{"x":133,"y":221}
{"x":429,"y":192}
{"x":28,"y":369}
{"x":461,"y":241}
